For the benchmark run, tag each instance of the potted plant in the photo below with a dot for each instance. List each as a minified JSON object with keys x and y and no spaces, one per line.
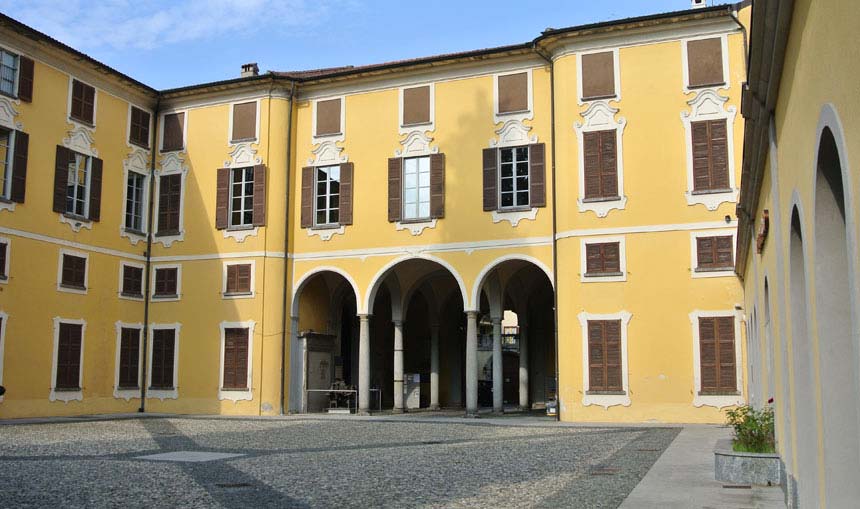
{"x":750,"y":457}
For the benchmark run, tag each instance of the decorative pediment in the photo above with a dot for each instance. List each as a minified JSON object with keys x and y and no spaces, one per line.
{"x":513,"y":132}
{"x":599,"y":115}
{"x":326,"y":153}
{"x":80,"y":139}
{"x":242,"y":155}
{"x":416,"y":143}
{"x":137,"y":160}
{"x":8,"y":113}
{"x":707,"y":103}
{"x":172,"y":162}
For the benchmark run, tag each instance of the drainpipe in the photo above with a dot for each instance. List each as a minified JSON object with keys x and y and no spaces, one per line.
{"x":286,"y":244}
{"x":549,"y":60}
{"x":153,"y":150}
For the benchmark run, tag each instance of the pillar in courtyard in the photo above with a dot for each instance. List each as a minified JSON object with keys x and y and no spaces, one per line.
{"x":498,"y":388}
{"x":364,"y":364}
{"x":297,"y":384}
{"x":434,"y":366}
{"x":471,"y":363}
{"x":524,"y":367}
{"x":398,"y":366}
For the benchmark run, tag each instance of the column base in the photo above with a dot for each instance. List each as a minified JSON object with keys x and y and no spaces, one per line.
{"x":524,"y":409}
{"x":364,"y":413}
{"x":434,"y":407}
{"x":398,"y":411}
{"x":472,"y":414}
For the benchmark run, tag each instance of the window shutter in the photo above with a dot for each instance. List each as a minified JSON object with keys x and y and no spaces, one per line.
{"x":437,"y":185}
{"x":705,"y":251}
{"x":491,"y":178}
{"x":68,"y":357}
{"x":259,"y":195}
{"x":612,"y":334}
{"x":719,"y":154}
{"x":345,"y":205}
{"x":19,"y":167}
{"x":537,"y":175}
{"x":307,"y":219}
{"x":701,"y":156}
{"x":726,"y":351}
{"x":173,"y":132}
{"x":243,"y":278}
{"x":705,"y":62}
{"x":328,"y":117}
{"x":513,"y":92}
{"x":724,"y":251}
{"x":395,"y":188}
{"x":244,"y":121}
{"x":596,"y":357}
{"x":708,"y":355}
{"x":416,"y":105}
{"x":61,"y":178}
{"x":89,"y":104}
{"x":163,"y":344}
{"x":169,"y":203}
{"x":593,"y":259}
{"x":25,"y":79}
{"x":96,"y":189}
{"x":222,"y":198}
{"x":608,"y":164}
{"x":591,"y":149}
{"x":77,"y":100}
{"x":611,"y":257}
{"x":598,"y":75}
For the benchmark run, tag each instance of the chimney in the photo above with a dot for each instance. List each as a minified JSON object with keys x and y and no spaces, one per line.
{"x":698,"y":4}
{"x":250,"y":69}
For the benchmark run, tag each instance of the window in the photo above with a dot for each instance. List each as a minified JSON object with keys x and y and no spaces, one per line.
{"x":513,"y":92}
{"x":235,"y":375}
{"x":169,"y":204}
{"x":74,"y":272}
{"x":603,"y":259}
{"x":514,"y":177}
{"x":77,"y":184}
{"x":327,"y":195}
{"x":328,"y":117}
{"x":705,"y":62}
{"x":714,"y":253}
{"x":238,"y":279}
{"x":416,"y":188}
{"x":4,"y":260}
{"x":173,"y":132}
{"x":8,"y":73}
{"x":129,"y":358}
{"x":134,"y":201}
{"x":242,"y":197}
{"x":416,"y":106}
{"x":138,"y":131}
{"x":601,"y":165}
{"x":710,"y":156}
{"x":163,"y":358}
{"x":717,"y":355}
{"x":7,"y":149}
{"x":166,"y":284}
{"x":604,"y":356}
{"x":69,"y":348}
{"x":598,"y":75}
{"x":244,"y":121}
{"x":83,"y":102}
{"x":132,"y":281}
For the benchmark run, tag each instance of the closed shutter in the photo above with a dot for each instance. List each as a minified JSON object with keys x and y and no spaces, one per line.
{"x":132,"y":281}
{"x":173,"y":132}
{"x":328,"y":117}
{"x":537,"y":175}
{"x":222,"y":198}
{"x":243,"y":278}
{"x":604,"y":355}
{"x":437,"y":185}
{"x":705,"y":62}
{"x":719,"y":152}
{"x":129,"y":358}
{"x":491,"y":179}
{"x":714,"y":252}
{"x":596,"y":357}
{"x":235,"y":359}
{"x":96,"y":189}
{"x":74,"y":271}
{"x":601,"y":164}
{"x":244,"y":121}
{"x":3,"y":248}
{"x":166,"y":284}
{"x":701,"y":156}
{"x":395,"y":188}
{"x":612,"y":334}
{"x":138,"y":132}
{"x":19,"y":167}
{"x":717,"y":355}
{"x":705,"y":252}
{"x":345,"y":204}
{"x":169,"y":203}
{"x":68,"y":356}
{"x":603,"y":258}
{"x":25,"y":79}
{"x":591,"y":149}
{"x":416,"y":105}
{"x":307,"y":219}
{"x":593,"y":258}
{"x":598,"y":75}
{"x":259,"y":210}
{"x":83,"y":102}
{"x":710,"y":155}
{"x":513,"y":92}
{"x":61,"y":178}
{"x":724,"y":251}
{"x":161,"y":372}
{"x":726,"y":354}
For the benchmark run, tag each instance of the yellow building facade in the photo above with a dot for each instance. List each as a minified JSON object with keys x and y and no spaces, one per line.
{"x":548,"y":224}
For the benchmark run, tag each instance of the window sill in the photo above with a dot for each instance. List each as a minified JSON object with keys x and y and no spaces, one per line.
{"x":706,"y":85}
{"x":132,"y":231}
{"x":416,"y":220}
{"x":243,"y":140}
{"x":83,"y":122}
{"x":165,"y":297}
{"x":505,"y":210}
{"x":236,"y":389}
{"x":168,"y":233}
{"x":10,"y":96}
{"x":155,"y":389}
{"x":606,"y":393}
{"x":602,"y":274}
{"x":75,"y":217}
{"x":240,"y":228}
{"x":728,"y":394}
{"x":513,"y":112}
{"x":67,"y":389}
{"x":237,"y":295}
{"x":4,"y":199}
{"x":600,"y":98}
{"x":235,"y":395}
{"x":136,"y":296}
{"x":715,"y":269}
{"x":416,"y":124}
{"x":129,"y":388}
{"x":139,"y":145}
{"x":710,"y":191}
{"x":171,"y":149}
{"x":76,"y":288}
{"x":601,"y":199}
{"x":333,"y":226}
{"x":328,"y":135}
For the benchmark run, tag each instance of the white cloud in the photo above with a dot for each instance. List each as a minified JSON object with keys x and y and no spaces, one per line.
{"x":129,"y":24}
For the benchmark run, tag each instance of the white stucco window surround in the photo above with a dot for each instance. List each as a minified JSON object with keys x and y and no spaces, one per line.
{"x":137,"y":161}
{"x":513,"y":133}
{"x":622,"y":260}
{"x":526,"y":114}
{"x":226,"y":265}
{"x":5,"y":279}
{"x":708,"y":105}
{"x":694,"y":254}
{"x":77,"y":122}
{"x":184,"y":130}
{"x":8,"y":115}
{"x":60,"y":394}
{"x":599,"y":116}
{"x":717,"y":401}
{"x":172,"y":163}
{"x":417,"y":143}
{"x":237,"y":394}
{"x":69,"y":289}
{"x":127,"y":394}
{"x":333,"y":137}
{"x":724,"y":40}
{"x":171,"y":298}
{"x":424,"y":126}
{"x":163,"y":394}
{"x":616,"y":70}
{"x":256,"y":137}
{"x":4,"y":318}
{"x":120,"y":284}
{"x":605,"y":400}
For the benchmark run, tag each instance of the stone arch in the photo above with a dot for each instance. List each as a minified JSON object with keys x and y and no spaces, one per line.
{"x":475,"y":301}
{"x":299,"y":285}
{"x":380,"y":276}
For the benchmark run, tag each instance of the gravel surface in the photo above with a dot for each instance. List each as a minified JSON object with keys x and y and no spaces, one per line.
{"x":296,"y":462}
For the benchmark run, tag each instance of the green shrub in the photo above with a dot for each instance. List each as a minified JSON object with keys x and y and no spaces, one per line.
{"x":753,"y":429}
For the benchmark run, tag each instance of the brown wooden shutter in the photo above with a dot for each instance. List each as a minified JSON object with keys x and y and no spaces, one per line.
{"x":328,"y":117}
{"x":491,"y":179}
{"x":89,"y":104}
{"x":243,"y":278}
{"x":19,"y":167}
{"x":416,"y":105}
{"x":244,"y":121}
{"x":537,"y":175}
{"x":593,"y":259}
{"x":173,"y":132}
{"x":701,"y":156}
{"x":598,"y":75}
{"x":161,"y":372}
{"x":222,"y":198}
{"x":307,"y":219}
{"x":235,"y":358}
{"x":437,"y":185}
{"x":345,"y":204}
{"x":596,"y":357}
{"x":719,"y":154}
{"x":513,"y":92}
{"x":612,"y":337}
{"x":77,"y":110}
{"x":591,"y":149}
{"x":3,"y":248}
{"x":129,"y":358}
{"x":705,"y":252}
{"x":259,"y":206}
{"x":726,"y":354}
{"x":61,"y":178}
{"x":611,"y":257}
{"x":25,"y":79}
{"x":96,"y":189}
{"x":724,"y":251}
{"x":395,"y":188}
{"x":169,"y":204}
{"x":68,"y":356}
{"x":608,"y":164}
{"x":708,"y":355}
{"x":705,"y":62}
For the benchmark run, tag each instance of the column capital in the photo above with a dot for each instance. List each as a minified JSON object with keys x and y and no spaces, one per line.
{"x":472,"y":314}
{"x":364,"y":317}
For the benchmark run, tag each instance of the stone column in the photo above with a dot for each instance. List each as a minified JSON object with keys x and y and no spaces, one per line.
{"x":498,"y":387}
{"x":296,"y":368}
{"x":398,"y":366}
{"x":472,"y":364}
{"x":434,"y":367}
{"x":364,"y":364}
{"x":524,"y":367}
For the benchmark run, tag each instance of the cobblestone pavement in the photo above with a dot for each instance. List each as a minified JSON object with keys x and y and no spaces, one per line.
{"x":303,"y":462}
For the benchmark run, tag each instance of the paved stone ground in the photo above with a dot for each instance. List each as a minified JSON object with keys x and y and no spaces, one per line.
{"x":303,"y":462}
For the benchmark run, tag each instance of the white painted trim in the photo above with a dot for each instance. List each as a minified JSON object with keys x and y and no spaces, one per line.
{"x":79,"y":254}
{"x":256,"y":139}
{"x":66,"y":396}
{"x":622,"y":259}
{"x":9,"y":169}
{"x":66,"y":243}
{"x":128,"y":128}
{"x":708,"y":105}
{"x":416,"y":144}
{"x":415,"y":228}
{"x":647,"y":229}
{"x":514,"y":216}
{"x":720,"y":401}
{"x":299,"y":283}
{"x":475,"y":302}
{"x":3,"y":281}
{"x":617,"y":70}
{"x":218,"y":256}
{"x":119,"y":287}
{"x":69,"y":118}
{"x":76,"y":223}
{"x":237,"y":395}
{"x":4,"y":319}
{"x":130,"y":164}
{"x":315,"y":139}
{"x":155,"y":269}
{"x":157,"y":393}
{"x":694,"y":253}
{"x":172,"y":163}
{"x":240,"y":234}
{"x":724,"y":40}
{"x":127,"y":394}
{"x":325,"y":233}
{"x":163,"y":114}
{"x":224,"y":294}
{"x":423,"y":127}
{"x":605,"y":400}
{"x":380,"y":275}
{"x":599,"y":116}
{"x":9,"y":114}
{"x":518,"y":116}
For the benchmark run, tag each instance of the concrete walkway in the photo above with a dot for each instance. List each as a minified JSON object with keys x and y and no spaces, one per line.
{"x":683,"y":477}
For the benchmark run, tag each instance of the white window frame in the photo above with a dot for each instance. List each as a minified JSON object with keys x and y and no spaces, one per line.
{"x":315,"y":138}
{"x":155,"y":269}
{"x":694,"y":253}
{"x":17,"y":80}
{"x":605,"y":400}
{"x":724,"y":42}
{"x":328,"y":196}
{"x":8,"y":242}
{"x":601,"y":117}
{"x":61,"y":395}
{"x":75,"y":121}
{"x":87,"y":189}
{"x":79,"y":254}
{"x":423,"y":126}
{"x":128,"y":394}
{"x":226,"y":264}
{"x":240,"y":394}
{"x":122,"y":265}
{"x":418,"y":217}
{"x":173,"y":167}
{"x":4,"y":319}
{"x":513,"y":115}
{"x":616,"y":70}
{"x":528,"y":161}
{"x":184,"y":131}
{"x":6,"y":192}
{"x":144,"y":200}
{"x":716,"y":401}
{"x":128,"y":128}
{"x":230,"y":209}
{"x":159,"y":393}
{"x":256,"y":137}
{"x":622,"y":259}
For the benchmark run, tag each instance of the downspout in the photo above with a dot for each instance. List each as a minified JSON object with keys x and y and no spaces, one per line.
{"x":148,"y":267}
{"x":286,"y":244}
{"x":549,"y":60}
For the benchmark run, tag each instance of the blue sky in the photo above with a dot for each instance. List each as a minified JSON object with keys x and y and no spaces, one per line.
{"x":168,"y":44}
